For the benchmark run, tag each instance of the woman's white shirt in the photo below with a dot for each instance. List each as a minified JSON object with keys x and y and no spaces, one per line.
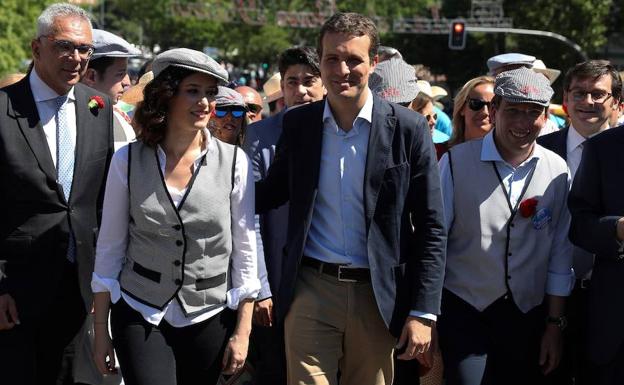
{"x":113,"y":238}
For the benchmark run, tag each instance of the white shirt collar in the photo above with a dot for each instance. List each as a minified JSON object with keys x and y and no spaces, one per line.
{"x":366,"y":112}
{"x":574,"y":139}
{"x":489,"y":152}
{"x":42,"y":92}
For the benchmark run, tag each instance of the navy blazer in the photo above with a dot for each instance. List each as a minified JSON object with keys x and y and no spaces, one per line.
{"x":406,"y":237}
{"x":36,"y":218}
{"x":556,"y":142}
{"x":596,"y":203}
{"x":260,"y":142}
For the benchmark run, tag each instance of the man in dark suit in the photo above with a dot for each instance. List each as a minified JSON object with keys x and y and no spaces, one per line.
{"x":589,"y":115}
{"x":364,"y":260}
{"x":597,"y":210}
{"x":301,"y":84}
{"x":55,"y":146}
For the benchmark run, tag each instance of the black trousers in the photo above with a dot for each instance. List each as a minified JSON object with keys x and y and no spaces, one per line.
{"x":165,"y":355}
{"x":31,"y":353}
{"x":499,"y":345}
{"x":268,"y":344}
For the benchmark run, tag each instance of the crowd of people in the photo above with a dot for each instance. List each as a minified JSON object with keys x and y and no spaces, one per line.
{"x":354,"y":233}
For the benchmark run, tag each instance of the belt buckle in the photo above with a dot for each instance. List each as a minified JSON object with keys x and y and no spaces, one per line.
{"x":340,"y":279}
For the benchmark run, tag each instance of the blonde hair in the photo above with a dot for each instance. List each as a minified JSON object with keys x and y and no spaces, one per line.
{"x":459,"y":126}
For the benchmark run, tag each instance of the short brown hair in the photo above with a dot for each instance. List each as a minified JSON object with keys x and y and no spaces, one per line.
{"x":150,"y":117}
{"x":593,"y":69}
{"x":352,"y":24}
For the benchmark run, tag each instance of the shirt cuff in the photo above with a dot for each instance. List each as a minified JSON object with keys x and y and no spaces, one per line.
{"x":100,"y":285}
{"x":560,"y":284}
{"x":250,"y":289}
{"x":419,"y":314}
{"x":265,"y":292}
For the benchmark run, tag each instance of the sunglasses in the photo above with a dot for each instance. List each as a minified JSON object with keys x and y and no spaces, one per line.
{"x":222,"y":112}
{"x":431,"y":117}
{"x":254,"y":108}
{"x":477,"y":104}
{"x":67,"y":48}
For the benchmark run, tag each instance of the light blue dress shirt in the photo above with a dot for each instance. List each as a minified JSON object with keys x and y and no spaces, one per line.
{"x":338,"y":228}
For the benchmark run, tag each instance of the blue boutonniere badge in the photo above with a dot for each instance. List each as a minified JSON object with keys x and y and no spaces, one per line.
{"x":539,"y":218}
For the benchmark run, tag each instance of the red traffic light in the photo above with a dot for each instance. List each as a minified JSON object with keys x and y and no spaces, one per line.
{"x":457,"y":34}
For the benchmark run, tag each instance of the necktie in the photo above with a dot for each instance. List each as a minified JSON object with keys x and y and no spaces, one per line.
{"x":65,"y":161}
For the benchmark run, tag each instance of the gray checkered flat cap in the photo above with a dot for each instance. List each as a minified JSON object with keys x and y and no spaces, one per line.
{"x":110,"y":45}
{"x":523,"y":85}
{"x":192,"y":60}
{"x":227,"y":97}
{"x":394,"y":80}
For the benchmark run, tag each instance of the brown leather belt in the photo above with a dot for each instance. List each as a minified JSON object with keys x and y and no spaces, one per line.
{"x":343,"y":273}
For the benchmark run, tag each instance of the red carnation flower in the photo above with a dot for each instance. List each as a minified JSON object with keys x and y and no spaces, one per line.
{"x":96,"y":101}
{"x":528,"y":207}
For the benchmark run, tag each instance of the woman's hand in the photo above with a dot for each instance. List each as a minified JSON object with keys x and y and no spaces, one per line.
{"x":103,"y":353}
{"x":235,"y":353}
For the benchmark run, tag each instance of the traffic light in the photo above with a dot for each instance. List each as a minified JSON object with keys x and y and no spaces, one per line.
{"x":457,"y":34}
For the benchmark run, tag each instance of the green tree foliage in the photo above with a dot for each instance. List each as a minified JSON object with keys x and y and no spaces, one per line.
{"x":18,"y":26}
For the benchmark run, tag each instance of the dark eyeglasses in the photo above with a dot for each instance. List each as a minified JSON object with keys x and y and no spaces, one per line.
{"x":431,"y":117}
{"x":67,"y":48}
{"x":477,"y":104}
{"x":222,"y":112}
{"x":254,"y":108}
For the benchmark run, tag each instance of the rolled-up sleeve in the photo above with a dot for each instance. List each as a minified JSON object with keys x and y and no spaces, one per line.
{"x":244,"y":262}
{"x":560,"y":273}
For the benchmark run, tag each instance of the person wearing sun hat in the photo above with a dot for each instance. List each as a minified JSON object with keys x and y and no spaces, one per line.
{"x":509,"y":259}
{"x":187,"y":259}
{"x":273,"y":95}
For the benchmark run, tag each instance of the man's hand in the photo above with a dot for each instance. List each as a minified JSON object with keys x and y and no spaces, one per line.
{"x":550,"y":349}
{"x":8,"y":312}
{"x":263,"y":312}
{"x":417,"y":335}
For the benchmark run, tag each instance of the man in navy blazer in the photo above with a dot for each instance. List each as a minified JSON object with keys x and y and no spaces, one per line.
{"x":591,"y":90}
{"x":300,"y":84}
{"x":364,"y":260}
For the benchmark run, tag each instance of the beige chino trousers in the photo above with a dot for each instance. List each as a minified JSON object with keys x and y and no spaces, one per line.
{"x":333,"y":327}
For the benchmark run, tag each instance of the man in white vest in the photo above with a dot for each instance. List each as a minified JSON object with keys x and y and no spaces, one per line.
{"x":509,"y":259}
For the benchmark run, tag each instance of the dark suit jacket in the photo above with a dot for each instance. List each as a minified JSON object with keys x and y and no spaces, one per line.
{"x":596,"y":203}
{"x":402,"y":201}
{"x":260,"y":144}
{"x":556,"y":142}
{"x":36,"y":219}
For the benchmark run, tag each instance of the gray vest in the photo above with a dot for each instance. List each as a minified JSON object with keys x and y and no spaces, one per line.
{"x":181,"y":253}
{"x":492,"y":251}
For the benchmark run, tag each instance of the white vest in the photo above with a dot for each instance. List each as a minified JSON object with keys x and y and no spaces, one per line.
{"x":491,"y":250}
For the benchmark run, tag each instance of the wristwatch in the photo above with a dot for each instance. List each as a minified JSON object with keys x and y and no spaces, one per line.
{"x":561,"y":322}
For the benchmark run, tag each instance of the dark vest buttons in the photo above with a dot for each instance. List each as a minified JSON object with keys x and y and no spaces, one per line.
{"x":177,"y":227}
{"x":179,"y":243}
{"x":178,"y":281}
{"x":177,"y":262}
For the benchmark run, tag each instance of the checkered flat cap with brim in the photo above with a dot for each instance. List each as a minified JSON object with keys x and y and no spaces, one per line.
{"x":228,"y":97}
{"x":192,"y":60}
{"x":523,"y":85}
{"x":107,"y":44}
{"x":394,"y":80}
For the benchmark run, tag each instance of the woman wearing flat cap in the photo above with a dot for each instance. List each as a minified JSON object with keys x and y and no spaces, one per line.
{"x":176,"y":252}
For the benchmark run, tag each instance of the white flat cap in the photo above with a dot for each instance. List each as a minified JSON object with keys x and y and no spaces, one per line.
{"x":110,"y":45}
{"x":192,"y":60}
{"x":508,"y":59}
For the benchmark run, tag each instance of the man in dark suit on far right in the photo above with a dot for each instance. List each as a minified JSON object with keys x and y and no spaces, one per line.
{"x":592,"y":91}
